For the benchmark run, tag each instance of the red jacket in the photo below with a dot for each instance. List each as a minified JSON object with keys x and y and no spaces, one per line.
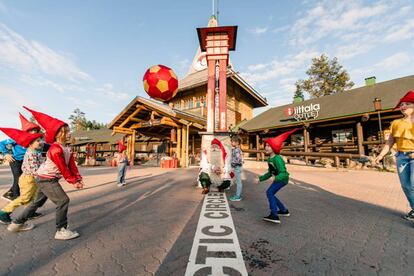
{"x":60,"y":162}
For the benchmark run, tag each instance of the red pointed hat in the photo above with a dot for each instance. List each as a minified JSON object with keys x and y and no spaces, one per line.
{"x":21,"y":137}
{"x":27,"y":125}
{"x":408,"y":98}
{"x":218,"y":143}
{"x":50,"y":124}
{"x":277,"y":142}
{"x":121,"y":146}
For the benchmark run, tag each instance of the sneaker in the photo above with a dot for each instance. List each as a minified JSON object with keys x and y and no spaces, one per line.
{"x":8,"y":196}
{"x":66,"y":234}
{"x":5,"y":218}
{"x":410,"y":216}
{"x":235,"y":198}
{"x":35,"y":216}
{"x":17,"y":227}
{"x":283,"y":213}
{"x":205,"y":191}
{"x":272,"y":218}
{"x":121,"y":184}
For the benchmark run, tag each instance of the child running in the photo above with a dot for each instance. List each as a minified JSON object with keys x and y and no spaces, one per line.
{"x":60,"y":162}
{"x":27,"y":182}
{"x":278,"y":169}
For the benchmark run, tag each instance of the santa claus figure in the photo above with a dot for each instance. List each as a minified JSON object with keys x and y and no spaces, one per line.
{"x":215,"y":167}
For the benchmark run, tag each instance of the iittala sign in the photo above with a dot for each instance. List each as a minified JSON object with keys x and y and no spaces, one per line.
{"x":304,"y":112}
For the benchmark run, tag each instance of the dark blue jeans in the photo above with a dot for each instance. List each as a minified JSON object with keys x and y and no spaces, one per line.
{"x":274,"y":203}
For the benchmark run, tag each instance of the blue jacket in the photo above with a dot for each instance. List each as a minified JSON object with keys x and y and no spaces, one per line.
{"x":16,"y":150}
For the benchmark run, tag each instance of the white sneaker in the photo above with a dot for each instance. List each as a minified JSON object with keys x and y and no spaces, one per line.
{"x":66,"y":234}
{"x":121,"y":184}
{"x":17,"y":227}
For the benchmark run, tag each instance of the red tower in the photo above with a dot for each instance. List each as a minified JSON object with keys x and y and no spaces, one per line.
{"x":217,"y":42}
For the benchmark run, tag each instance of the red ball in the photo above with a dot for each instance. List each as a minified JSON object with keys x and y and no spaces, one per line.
{"x":160,"y":82}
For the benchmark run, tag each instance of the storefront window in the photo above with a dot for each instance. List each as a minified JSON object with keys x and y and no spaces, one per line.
{"x":342,"y":135}
{"x":297,"y":139}
{"x":190,"y":104}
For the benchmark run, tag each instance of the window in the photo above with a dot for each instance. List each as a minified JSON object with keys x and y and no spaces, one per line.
{"x":342,"y":135}
{"x":190,"y":103}
{"x":297,"y":139}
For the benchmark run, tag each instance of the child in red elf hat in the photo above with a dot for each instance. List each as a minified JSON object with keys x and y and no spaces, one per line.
{"x":27,"y":183}
{"x":122,"y":161}
{"x":278,"y":169}
{"x":15,"y":156}
{"x":402,"y":134}
{"x":60,"y":162}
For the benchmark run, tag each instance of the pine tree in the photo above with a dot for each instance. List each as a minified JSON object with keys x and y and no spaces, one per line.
{"x":325,"y":77}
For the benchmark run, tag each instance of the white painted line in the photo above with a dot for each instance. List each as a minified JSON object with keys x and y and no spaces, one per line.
{"x":216,"y":248}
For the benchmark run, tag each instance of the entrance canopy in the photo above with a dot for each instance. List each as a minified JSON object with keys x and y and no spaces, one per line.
{"x":153,"y":119}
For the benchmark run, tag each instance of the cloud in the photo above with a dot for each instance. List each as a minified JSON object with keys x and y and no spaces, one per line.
{"x":257,"y":30}
{"x":39,"y":81}
{"x":32,"y":57}
{"x":354,"y":49}
{"x":401,"y":32}
{"x":108,"y":92}
{"x":394,"y":61}
{"x":281,"y":29}
{"x":278,"y":68}
{"x":334,"y":19}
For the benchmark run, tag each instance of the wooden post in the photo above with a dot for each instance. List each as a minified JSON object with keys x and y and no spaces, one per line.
{"x":257,"y":147}
{"x":360,"y":138}
{"x":178,"y":149}
{"x":133,"y":137}
{"x":306,"y":143}
{"x":337,"y":162}
{"x":183,"y":147}
{"x":193,"y":145}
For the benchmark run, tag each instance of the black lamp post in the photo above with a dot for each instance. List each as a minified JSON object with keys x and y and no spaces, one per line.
{"x":378,"y":107}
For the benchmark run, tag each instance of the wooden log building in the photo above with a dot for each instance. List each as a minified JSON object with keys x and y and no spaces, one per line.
{"x":350,"y":122}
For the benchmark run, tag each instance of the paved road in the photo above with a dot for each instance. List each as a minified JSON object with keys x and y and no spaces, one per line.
{"x":342,"y":223}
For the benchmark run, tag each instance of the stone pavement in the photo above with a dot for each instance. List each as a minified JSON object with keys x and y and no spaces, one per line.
{"x":342,"y":223}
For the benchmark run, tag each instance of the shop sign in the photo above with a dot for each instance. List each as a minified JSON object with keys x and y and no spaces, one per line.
{"x":304,"y":112}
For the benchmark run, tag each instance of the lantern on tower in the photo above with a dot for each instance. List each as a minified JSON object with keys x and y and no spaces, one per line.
{"x":160,"y":83}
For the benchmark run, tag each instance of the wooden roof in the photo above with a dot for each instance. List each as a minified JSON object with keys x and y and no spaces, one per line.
{"x":103,"y":135}
{"x":153,"y":118}
{"x":199,"y":78}
{"x":351,"y":103}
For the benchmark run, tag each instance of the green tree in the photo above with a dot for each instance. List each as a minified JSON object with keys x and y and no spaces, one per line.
{"x":78,"y":120}
{"x":325,"y":77}
{"x":298,"y":91}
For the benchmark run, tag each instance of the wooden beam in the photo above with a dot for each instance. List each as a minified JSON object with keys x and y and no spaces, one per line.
{"x":131,"y":116}
{"x":168,"y":121}
{"x":184,"y":146}
{"x":122,"y":130}
{"x":137,"y":120}
{"x":360,"y":137}
{"x":306,"y":142}
{"x":178,"y":149}
{"x":136,"y":126}
{"x":153,"y":114}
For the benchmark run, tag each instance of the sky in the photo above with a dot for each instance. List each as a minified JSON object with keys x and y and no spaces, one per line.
{"x":56,"y":56}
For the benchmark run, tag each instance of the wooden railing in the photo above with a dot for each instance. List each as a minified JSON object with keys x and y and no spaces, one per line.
{"x":337,"y":156}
